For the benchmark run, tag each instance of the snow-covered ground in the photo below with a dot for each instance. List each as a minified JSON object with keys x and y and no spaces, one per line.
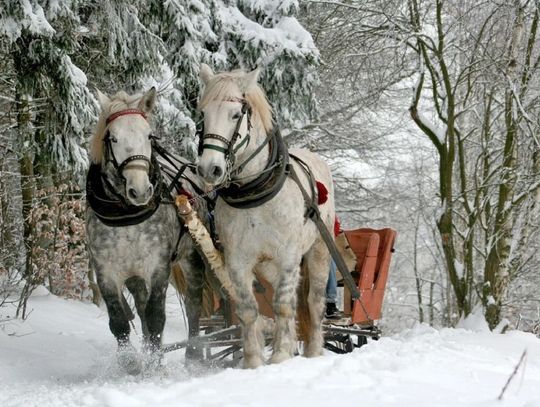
{"x":63,"y":355}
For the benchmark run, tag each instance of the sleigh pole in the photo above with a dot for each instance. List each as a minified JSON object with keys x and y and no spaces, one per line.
{"x":202,"y":238}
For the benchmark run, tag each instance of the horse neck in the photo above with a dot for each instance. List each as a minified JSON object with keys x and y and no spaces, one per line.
{"x":258,"y":163}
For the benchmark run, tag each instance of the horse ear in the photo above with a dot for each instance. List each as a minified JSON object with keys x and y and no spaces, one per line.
{"x":206,"y":73}
{"x":250,"y":80}
{"x":148,"y":101}
{"x":103,"y":99}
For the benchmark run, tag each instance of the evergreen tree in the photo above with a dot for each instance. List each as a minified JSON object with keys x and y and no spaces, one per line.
{"x":243,"y":34}
{"x":54,"y":103}
{"x":59,"y":51}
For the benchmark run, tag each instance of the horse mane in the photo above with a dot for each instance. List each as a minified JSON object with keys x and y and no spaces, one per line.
{"x":219,"y":87}
{"x":120,"y":101}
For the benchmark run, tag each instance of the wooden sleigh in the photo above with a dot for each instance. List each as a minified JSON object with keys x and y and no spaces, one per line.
{"x":367,"y":254}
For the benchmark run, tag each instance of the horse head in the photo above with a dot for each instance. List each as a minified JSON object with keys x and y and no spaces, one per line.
{"x":233,"y":105}
{"x":122,"y":145}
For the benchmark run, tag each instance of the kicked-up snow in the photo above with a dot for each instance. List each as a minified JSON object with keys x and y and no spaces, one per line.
{"x":63,"y":355}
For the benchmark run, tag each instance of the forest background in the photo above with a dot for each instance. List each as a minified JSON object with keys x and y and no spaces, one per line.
{"x":427,"y":111}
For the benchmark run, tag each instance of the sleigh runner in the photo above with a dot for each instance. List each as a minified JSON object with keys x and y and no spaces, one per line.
{"x":365,"y":252}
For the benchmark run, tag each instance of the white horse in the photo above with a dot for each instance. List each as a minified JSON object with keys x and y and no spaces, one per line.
{"x":260,"y":214}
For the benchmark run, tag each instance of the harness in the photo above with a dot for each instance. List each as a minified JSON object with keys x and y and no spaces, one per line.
{"x":268,"y":182}
{"x":111,"y":207}
{"x":230,"y":150}
{"x":109,"y":140}
{"x":313,"y":213}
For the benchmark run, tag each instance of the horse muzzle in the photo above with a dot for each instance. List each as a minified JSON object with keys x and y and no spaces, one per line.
{"x":211,"y":174}
{"x":138,"y":193}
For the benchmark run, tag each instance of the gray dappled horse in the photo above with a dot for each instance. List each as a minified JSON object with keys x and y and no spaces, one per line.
{"x":133,"y":235}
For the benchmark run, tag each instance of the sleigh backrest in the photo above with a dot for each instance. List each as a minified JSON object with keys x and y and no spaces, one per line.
{"x":373,"y":249}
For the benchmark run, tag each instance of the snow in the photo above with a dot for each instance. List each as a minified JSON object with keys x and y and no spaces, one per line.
{"x":459,"y":269}
{"x":63,"y":355}
{"x":35,"y":19}
{"x":288,"y":34}
{"x":30,"y":16}
{"x":438,"y":131}
{"x":475,"y":321}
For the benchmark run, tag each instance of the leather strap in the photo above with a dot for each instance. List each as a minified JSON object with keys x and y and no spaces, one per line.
{"x":315,"y":216}
{"x":124,"y":112}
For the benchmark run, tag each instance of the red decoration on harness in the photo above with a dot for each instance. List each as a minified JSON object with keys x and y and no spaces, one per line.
{"x":123,"y":113}
{"x":322,"y":193}
{"x":337,"y":226}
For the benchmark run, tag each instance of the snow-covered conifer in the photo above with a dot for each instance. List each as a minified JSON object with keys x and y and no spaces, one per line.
{"x":244,"y":34}
{"x":40,"y":39}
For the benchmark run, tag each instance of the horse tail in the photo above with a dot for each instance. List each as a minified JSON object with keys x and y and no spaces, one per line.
{"x":179,"y":282}
{"x":178,"y":279}
{"x":303,"y":316}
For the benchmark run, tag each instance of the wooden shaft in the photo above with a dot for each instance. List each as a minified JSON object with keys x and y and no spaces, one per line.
{"x":202,"y":237}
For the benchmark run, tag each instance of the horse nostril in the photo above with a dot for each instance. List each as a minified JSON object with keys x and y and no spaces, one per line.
{"x":132,"y":193}
{"x":150,"y":191}
{"x":217,"y":171}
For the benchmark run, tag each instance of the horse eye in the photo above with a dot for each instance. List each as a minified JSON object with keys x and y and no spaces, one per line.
{"x":237,"y":115}
{"x":113,"y":139}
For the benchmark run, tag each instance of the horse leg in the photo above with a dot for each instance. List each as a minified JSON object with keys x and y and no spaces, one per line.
{"x":284,"y":306}
{"x":318,"y":263}
{"x":155,"y":309}
{"x":248,"y":313}
{"x":137,"y":288}
{"x":119,"y":324}
{"x":193,"y":268}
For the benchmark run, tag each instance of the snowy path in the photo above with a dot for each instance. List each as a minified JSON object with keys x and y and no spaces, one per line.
{"x":63,"y":355}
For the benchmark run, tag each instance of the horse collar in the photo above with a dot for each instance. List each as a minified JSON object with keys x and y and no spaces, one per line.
{"x":111,"y":208}
{"x":267,"y":184}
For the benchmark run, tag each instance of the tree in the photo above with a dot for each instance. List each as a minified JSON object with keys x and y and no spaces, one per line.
{"x":476,"y":68}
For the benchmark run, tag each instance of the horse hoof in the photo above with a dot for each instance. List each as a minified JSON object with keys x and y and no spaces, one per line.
{"x":313,"y":353}
{"x":129,"y":361}
{"x":153,"y":360}
{"x":279,"y":357}
{"x":252,"y":363}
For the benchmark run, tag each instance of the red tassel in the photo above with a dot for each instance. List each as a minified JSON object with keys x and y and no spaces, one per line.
{"x":323,"y":193}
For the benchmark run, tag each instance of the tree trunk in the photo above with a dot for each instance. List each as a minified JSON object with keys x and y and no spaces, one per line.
{"x":497,"y":268}
{"x":26,"y":163}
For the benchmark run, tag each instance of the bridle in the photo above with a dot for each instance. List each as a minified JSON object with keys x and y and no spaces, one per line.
{"x":109,"y":140}
{"x":230,"y":148}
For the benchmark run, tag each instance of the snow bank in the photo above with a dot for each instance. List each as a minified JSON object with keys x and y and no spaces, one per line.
{"x":63,"y":355}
